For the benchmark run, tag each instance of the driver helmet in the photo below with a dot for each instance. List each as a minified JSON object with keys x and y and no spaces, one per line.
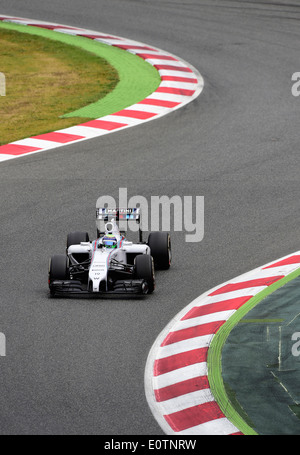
{"x":109,"y":241}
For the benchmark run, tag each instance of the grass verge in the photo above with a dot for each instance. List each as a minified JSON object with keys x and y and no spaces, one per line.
{"x":44,"y":80}
{"x":130,"y":80}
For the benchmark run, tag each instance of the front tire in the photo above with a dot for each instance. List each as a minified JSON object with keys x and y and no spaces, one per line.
{"x":58,"y":269}
{"x":144,"y":269}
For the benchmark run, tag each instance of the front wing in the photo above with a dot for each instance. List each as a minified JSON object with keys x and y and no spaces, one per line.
{"x":75,"y":287}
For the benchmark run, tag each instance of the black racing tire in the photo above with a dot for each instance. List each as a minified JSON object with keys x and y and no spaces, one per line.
{"x":58,"y":268}
{"x":160,"y":246}
{"x":144,"y":269}
{"x":75,"y":238}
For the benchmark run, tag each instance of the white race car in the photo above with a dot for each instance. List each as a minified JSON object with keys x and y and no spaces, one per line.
{"x":111,"y":264}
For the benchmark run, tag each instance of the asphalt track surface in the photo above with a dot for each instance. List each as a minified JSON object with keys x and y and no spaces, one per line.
{"x":77,"y":367}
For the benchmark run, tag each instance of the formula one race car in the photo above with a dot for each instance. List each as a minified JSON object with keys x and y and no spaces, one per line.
{"x":111,"y":264}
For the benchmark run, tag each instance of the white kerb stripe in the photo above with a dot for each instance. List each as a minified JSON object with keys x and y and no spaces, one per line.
{"x":185,"y":401}
{"x":207,"y":318}
{"x":220,"y":426}
{"x":181,"y":374}
{"x":184,"y":346}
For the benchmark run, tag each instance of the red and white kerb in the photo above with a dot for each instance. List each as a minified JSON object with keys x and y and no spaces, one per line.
{"x":176,"y":380}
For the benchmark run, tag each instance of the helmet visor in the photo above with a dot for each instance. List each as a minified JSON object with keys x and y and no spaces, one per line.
{"x":110,"y":243}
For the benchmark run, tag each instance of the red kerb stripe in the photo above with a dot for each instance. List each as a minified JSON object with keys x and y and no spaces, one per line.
{"x":192,"y":332}
{"x":62,"y":138}
{"x":141,"y":115}
{"x":51,"y":27}
{"x":157,"y":57}
{"x":230,"y":304}
{"x":3,"y":18}
{"x":175,"y":91}
{"x":288,"y":261}
{"x":196,"y":415}
{"x":86,"y":35}
{"x":181,"y":388}
{"x":247,"y":284}
{"x":183,"y":69}
{"x":179,"y":79}
{"x":181,"y":360}
{"x":131,"y":46}
{"x":103,"y":125}
{"x":162,"y":103}
{"x":15,"y":149}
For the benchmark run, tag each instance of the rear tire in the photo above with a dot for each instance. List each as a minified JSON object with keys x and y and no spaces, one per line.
{"x":144,"y":270}
{"x":75,"y":238}
{"x":160,"y":246}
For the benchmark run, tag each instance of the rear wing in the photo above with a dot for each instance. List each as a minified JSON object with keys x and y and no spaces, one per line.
{"x":124,"y":217}
{"x":118,"y":214}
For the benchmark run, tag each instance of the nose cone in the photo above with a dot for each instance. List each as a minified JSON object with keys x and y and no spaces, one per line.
{"x":98,"y":270}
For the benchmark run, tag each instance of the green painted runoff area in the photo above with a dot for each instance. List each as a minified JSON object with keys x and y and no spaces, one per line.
{"x":261,"y":363}
{"x":221,"y":388}
{"x":138,"y":79}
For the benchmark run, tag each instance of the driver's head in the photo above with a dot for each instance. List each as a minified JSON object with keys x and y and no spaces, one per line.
{"x":109,"y":241}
